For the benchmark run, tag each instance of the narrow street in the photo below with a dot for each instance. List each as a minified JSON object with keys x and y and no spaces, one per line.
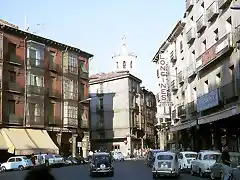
{"x":128,"y":170}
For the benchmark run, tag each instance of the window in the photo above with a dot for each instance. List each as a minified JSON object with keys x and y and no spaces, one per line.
{"x":193,"y":56}
{"x":194,"y":93}
{"x":51,"y":111}
{"x":181,"y":46}
{"x":73,"y":64}
{"x":124,"y":64}
{"x":18,"y":159}
{"x":12,"y":76}
{"x":191,"y":18}
{"x":12,"y":48}
{"x":52,"y":56}
{"x":165,"y":157}
{"x":190,"y":155}
{"x":180,"y":156}
{"x":232,"y":72}
{"x":11,"y":107}
{"x":70,"y":89}
{"x":37,"y":110}
{"x":35,"y":54}
{"x":11,"y":160}
{"x":218,"y":79}
{"x":117,"y":146}
{"x":117,"y":64}
{"x":216,"y":38}
{"x":204,"y":46}
{"x":210,"y":157}
{"x":158,"y":73}
{"x":35,"y":80}
{"x":71,"y":112}
{"x":229,"y":25}
{"x":206,"y":86}
{"x":131,"y":64}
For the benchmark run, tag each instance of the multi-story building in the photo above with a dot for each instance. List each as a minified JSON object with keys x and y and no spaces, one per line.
{"x":116,"y":121}
{"x":43,"y":87}
{"x":147,"y":117}
{"x":202,"y":52}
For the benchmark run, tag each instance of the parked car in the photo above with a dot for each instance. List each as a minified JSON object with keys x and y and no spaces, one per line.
{"x":165,"y":164}
{"x":17,"y":162}
{"x":218,"y":170}
{"x":203,"y":163}
{"x":58,"y":160}
{"x":185,"y":158}
{"x":118,"y":156}
{"x":151,"y":156}
{"x":101,"y":163}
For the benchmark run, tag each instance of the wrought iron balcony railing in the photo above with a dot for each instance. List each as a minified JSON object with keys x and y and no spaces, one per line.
{"x":14,"y":59}
{"x":212,"y":11}
{"x":69,"y":122}
{"x":13,"y":119}
{"x":34,"y":89}
{"x":14,"y":87}
{"x":53,"y":66}
{"x":36,"y":63}
{"x":55,"y":121}
{"x":35,"y":120}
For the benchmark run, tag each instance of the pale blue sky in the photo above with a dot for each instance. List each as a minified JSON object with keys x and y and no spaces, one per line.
{"x":97,"y":26}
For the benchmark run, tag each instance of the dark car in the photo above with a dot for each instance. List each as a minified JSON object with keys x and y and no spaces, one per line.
{"x":101,"y":163}
{"x":150,"y":158}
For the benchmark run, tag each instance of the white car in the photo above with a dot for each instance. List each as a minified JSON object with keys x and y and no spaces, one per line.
{"x":118,"y":156}
{"x":203,"y":163}
{"x":17,"y":162}
{"x":165,"y":164}
{"x":185,"y":158}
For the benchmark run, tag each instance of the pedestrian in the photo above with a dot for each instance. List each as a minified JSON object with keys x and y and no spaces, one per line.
{"x":39,"y":173}
{"x":33,"y":159}
{"x":226,"y":160}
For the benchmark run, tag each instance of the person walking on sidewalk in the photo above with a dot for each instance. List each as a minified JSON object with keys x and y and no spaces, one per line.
{"x":226,"y":160}
{"x":33,"y":159}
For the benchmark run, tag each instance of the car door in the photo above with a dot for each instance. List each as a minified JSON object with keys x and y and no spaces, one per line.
{"x":11,"y":163}
{"x":217,"y":167}
{"x":18,"y":162}
{"x":180,"y":160}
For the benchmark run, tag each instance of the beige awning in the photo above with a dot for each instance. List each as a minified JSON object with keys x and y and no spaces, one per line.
{"x":3,"y":144}
{"x":42,"y":141}
{"x":18,"y":141}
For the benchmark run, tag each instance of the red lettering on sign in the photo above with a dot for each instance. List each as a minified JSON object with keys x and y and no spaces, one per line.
{"x":209,"y":55}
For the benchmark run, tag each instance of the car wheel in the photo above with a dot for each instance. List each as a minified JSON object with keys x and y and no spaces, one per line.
{"x":20,"y":168}
{"x":212,"y":176}
{"x":3,"y":168}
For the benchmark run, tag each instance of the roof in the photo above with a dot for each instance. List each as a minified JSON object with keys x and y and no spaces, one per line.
{"x":46,"y":41}
{"x":175,"y":32}
{"x":101,"y":77}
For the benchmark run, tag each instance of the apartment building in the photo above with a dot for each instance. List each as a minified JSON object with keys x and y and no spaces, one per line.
{"x":43,"y":87}
{"x":148,"y":110}
{"x":203,"y":56}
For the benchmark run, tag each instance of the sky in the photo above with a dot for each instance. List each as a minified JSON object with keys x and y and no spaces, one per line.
{"x":97,"y":26}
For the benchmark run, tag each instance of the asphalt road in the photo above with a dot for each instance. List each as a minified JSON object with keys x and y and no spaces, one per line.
{"x":127,"y":170}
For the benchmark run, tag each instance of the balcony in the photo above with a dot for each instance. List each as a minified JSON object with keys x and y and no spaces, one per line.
{"x":36,"y":63}
{"x":13,"y":87}
{"x":84,"y":75}
{"x":182,"y":111}
{"x":54,"y":93}
{"x":191,"y":70}
{"x":222,"y":4}
{"x":99,"y":108}
{"x":71,"y":96}
{"x":54,"y":67}
{"x":34,"y":89}
{"x":13,"y":119}
{"x":218,"y":50}
{"x":180,"y":77}
{"x":189,"y":5}
{"x":212,"y":11}
{"x":15,"y":60}
{"x":100,"y":126}
{"x":71,"y":71}
{"x":55,"y":121}
{"x":174,"y":86}
{"x":35,"y":121}
{"x":69,"y":122}
{"x":228,"y":92}
{"x":201,"y":24}
{"x":173,"y":56}
{"x":192,"y":107}
{"x":84,"y":124}
{"x":190,"y":36}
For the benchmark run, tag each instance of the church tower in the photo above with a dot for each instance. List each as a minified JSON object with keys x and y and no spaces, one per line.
{"x":125,"y":61}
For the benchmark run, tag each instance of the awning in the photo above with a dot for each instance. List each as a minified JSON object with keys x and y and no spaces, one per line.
{"x":219,"y":115}
{"x":18,"y":141}
{"x":28,"y":141}
{"x":42,"y":141}
{"x":3,"y":144}
{"x":181,"y":126}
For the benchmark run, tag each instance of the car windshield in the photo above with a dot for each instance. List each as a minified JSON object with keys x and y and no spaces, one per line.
{"x":57,"y":156}
{"x":165,"y":157}
{"x":25,"y":158}
{"x":211,"y":157}
{"x":190,"y":155}
{"x":49,"y":156}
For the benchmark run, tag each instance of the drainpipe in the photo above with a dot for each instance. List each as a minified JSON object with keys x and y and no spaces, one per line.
{"x":25,"y":85}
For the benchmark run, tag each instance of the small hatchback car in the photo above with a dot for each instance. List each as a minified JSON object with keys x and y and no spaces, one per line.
{"x":101,"y":164}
